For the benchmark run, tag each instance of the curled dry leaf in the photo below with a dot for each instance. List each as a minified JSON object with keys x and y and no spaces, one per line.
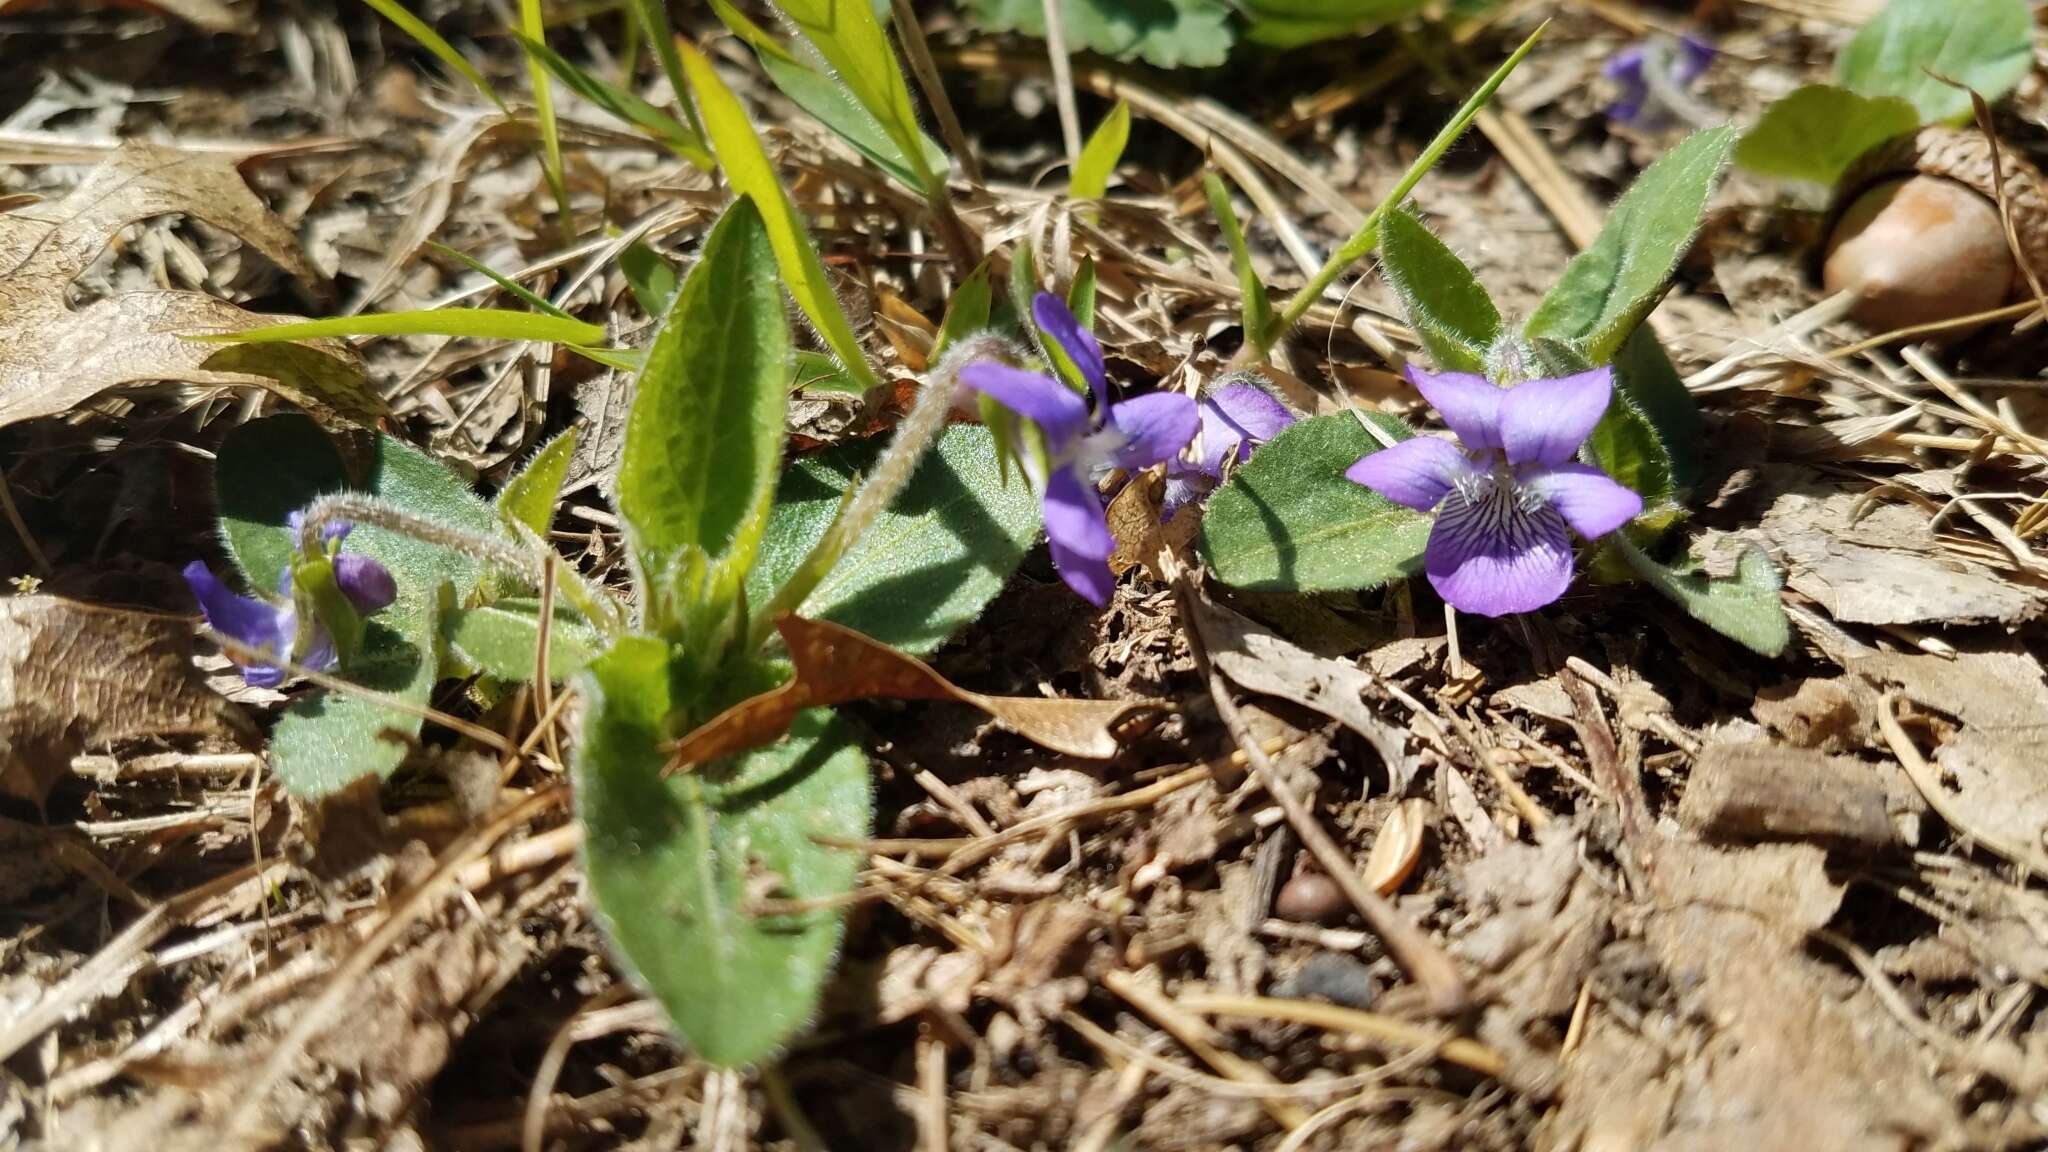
{"x":52,"y":357}
{"x":1398,"y":847}
{"x":835,"y":664}
{"x":74,"y":676}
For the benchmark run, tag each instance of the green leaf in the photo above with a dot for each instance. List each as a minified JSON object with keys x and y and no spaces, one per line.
{"x":534,"y":29}
{"x":704,"y":436}
{"x":1090,"y":179}
{"x":1447,"y":307}
{"x":856,"y":49}
{"x":1163,"y":33}
{"x":1291,"y":23}
{"x":1608,"y":289}
{"x":328,"y":740}
{"x":651,"y":277}
{"x":1986,"y":45}
{"x":529,"y":497}
{"x":1081,"y":293}
{"x":678,"y":868}
{"x":433,"y":42}
{"x":1626,"y":444}
{"x":265,"y":471}
{"x":525,"y":295}
{"x":620,"y":102}
{"x":1257,"y":310}
{"x":928,"y":565}
{"x":483,"y":323}
{"x":1644,"y":375}
{"x":652,"y":18}
{"x":1745,"y":608}
{"x":1288,"y":521}
{"x":1818,"y":130}
{"x":500,"y":639}
{"x":967,"y":312}
{"x":747,"y":169}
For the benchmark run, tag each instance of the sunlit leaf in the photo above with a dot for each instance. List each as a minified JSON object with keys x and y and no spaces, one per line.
{"x":529,"y":497}
{"x":717,"y":887}
{"x":482,"y":323}
{"x":1099,"y":156}
{"x":620,"y":102}
{"x":1289,"y":521}
{"x":1911,"y":47}
{"x":651,"y":277}
{"x":1817,"y":131}
{"x":966,"y":312}
{"x":856,"y":48}
{"x":1446,"y":305}
{"x":747,"y":169}
{"x":1257,"y":311}
{"x":502,"y":638}
{"x":524,"y":294}
{"x":1745,"y":608}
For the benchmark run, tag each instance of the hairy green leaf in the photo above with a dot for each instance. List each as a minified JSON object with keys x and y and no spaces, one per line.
{"x":714,"y":886}
{"x":1288,"y":521}
{"x":1815,"y":132}
{"x":1289,"y":23}
{"x":1985,"y":45}
{"x":502,"y":638}
{"x":1081,"y":293}
{"x":704,"y":437}
{"x":529,"y":496}
{"x":1608,"y":289}
{"x":928,"y":565}
{"x":328,"y":740}
{"x":1090,"y":178}
{"x":1446,"y":305}
{"x":747,"y":169}
{"x":1745,"y":608}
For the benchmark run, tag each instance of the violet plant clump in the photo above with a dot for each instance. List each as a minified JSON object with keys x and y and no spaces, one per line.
{"x":1083,"y":437}
{"x":1505,"y":494}
{"x":278,"y":629}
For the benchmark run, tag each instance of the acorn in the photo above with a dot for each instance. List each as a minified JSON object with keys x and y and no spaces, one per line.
{"x":1917,"y":235}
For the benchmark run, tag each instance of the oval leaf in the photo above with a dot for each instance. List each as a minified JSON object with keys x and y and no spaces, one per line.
{"x":1816,"y":132}
{"x":709,"y":885}
{"x":501,"y":639}
{"x":929,"y":564}
{"x":1986,"y":45}
{"x":1289,"y":521}
{"x":1446,"y":306}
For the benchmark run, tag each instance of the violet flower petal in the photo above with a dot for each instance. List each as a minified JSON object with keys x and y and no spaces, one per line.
{"x":1591,"y":501}
{"x":1234,"y":417}
{"x":1545,"y":421}
{"x":1693,"y":58}
{"x":367,"y":584}
{"x":1415,"y":473}
{"x":1080,"y":539}
{"x":1037,"y":397}
{"x":1059,"y":324}
{"x":1153,"y":428}
{"x":1469,"y":405}
{"x":257,"y":623}
{"x":1494,"y":557}
{"x":330,"y":532}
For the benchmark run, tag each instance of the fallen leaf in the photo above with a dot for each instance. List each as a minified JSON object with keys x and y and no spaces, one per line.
{"x":75,"y":676}
{"x":1257,"y":660}
{"x":52,"y":357}
{"x":835,"y":664}
{"x":1885,"y":566}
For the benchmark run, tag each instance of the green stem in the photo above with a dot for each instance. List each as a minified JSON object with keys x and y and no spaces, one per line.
{"x":1367,"y":237}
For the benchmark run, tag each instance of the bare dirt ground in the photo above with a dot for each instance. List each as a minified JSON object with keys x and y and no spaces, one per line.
{"x":1697,"y":899}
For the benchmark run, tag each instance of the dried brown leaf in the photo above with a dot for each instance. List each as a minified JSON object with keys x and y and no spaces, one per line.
{"x":74,"y":676}
{"x":52,"y":357}
{"x":835,"y":664}
{"x":210,"y":15}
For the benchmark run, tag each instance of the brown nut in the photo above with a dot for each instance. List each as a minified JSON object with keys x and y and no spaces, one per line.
{"x":1918,"y":236}
{"x":1311,"y":898}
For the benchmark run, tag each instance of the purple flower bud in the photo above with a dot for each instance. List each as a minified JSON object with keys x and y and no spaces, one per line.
{"x":265,"y":627}
{"x":367,"y":584}
{"x":330,"y":532}
{"x":1653,"y":76}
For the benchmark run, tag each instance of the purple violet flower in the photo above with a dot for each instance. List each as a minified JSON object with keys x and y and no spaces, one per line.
{"x":273,"y":628}
{"x":1502,"y":502}
{"x":1654,"y":75}
{"x":1236,"y":419}
{"x":1082,"y":439}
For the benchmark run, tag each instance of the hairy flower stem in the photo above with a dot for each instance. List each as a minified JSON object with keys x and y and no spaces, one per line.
{"x":914,"y":434}
{"x":531,"y":563}
{"x":1367,"y":237}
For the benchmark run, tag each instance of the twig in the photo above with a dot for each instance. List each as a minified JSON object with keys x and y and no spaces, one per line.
{"x":931,"y":1085}
{"x":1384,"y":1030}
{"x":20,"y":526}
{"x":1197,"y":1036}
{"x":918,"y":51}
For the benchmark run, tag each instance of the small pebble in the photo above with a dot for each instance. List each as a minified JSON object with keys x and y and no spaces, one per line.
{"x":1311,"y":897}
{"x":1331,"y":976}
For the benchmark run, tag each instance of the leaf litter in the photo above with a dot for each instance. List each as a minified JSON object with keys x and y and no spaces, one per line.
{"x":1662,"y":956}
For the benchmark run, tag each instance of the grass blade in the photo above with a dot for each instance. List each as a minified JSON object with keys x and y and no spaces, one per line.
{"x":433,"y":42}
{"x":533,"y":28}
{"x":1099,"y":156}
{"x":533,"y":299}
{"x":620,"y":103}
{"x":483,"y":323}
{"x":1257,"y":309}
